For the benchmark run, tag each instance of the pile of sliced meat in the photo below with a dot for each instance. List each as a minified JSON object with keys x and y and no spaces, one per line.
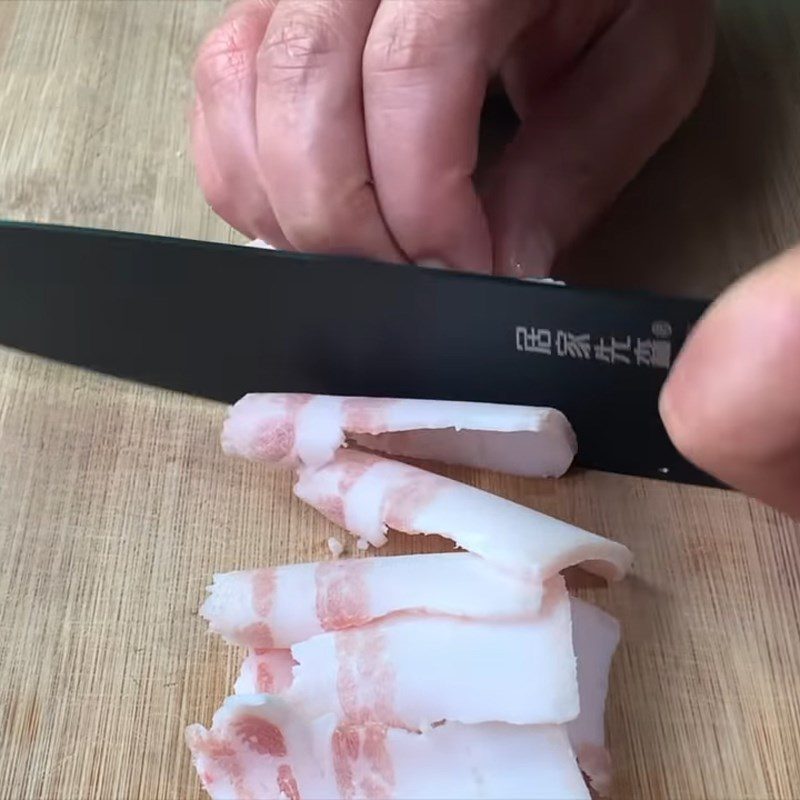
{"x":470,"y":674}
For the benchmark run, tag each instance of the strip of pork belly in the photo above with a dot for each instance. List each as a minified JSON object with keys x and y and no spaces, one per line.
{"x":595,"y":637}
{"x":261,"y":747}
{"x":367,"y":494}
{"x":280,"y":606}
{"x":307,"y":430}
{"x":267,"y":671}
{"x":414,"y":671}
{"x":492,"y":760}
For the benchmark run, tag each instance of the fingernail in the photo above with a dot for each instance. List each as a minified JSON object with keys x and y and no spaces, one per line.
{"x":528,"y":253}
{"x":432,"y":263}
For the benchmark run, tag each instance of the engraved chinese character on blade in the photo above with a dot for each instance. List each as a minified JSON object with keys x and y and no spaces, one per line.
{"x":535,"y":340}
{"x":571,"y":345}
{"x":632,"y":351}
{"x":661,"y":328}
{"x":653,"y":353}
{"x":612,"y":350}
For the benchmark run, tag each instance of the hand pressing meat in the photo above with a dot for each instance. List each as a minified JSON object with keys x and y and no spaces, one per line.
{"x":351,"y":126}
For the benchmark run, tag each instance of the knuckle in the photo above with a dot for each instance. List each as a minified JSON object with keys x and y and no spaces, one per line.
{"x":419,"y":34}
{"x":304,"y":41}
{"x":223,"y":59}
{"x":410,"y":39}
{"x":325,"y":226}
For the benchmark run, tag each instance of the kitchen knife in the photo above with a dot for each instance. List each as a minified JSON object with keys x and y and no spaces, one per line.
{"x":220,"y":320}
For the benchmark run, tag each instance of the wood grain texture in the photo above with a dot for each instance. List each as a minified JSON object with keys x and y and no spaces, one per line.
{"x":116,"y":505}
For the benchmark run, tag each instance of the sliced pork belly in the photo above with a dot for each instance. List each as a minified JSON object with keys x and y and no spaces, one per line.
{"x":278,"y":607}
{"x":492,"y":760}
{"x":413,"y":671}
{"x":307,"y":430}
{"x":595,"y":637}
{"x":265,"y":671}
{"x":367,"y":494}
{"x":261,"y":747}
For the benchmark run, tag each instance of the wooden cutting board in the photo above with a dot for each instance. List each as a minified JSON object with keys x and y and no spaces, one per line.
{"x":116,"y":505}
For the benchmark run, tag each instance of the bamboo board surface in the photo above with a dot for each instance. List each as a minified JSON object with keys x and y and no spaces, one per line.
{"x":116,"y":505}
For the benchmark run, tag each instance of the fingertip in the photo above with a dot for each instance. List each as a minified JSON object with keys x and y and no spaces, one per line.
{"x":679,"y":414}
{"x":522,"y":251}
{"x":732,"y":402}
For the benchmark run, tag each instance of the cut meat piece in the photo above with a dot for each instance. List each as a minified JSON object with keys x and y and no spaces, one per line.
{"x":456,"y":675}
{"x":595,"y":637}
{"x":259,"y":747}
{"x":493,"y":760}
{"x":365,"y":494}
{"x":265,"y":671}
{"x":411,"y":672}
{"x":281,"y":606}
{"x":307,"y":430}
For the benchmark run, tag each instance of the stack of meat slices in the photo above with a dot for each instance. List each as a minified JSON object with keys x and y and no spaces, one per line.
{"x":457,"y":675}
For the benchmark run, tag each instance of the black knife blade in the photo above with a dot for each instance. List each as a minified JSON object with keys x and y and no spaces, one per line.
{"x":221,"y":320}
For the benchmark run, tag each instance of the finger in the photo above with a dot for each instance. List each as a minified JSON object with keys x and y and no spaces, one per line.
{"x":426,"y":67}
{"x":732,"y":401}
{"x":225,"y":81}
{"x":311,"y":137}
{"x":208,"y":174}
{"x":587,"y":136}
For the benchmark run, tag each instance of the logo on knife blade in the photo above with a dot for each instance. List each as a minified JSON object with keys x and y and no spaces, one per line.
{"x":643,"y":352}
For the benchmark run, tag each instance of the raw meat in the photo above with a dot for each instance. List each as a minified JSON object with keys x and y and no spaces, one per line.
{"x":366,"y":494}
{"x":281,"y":606}
{"x":258,"y":747}
{"x":456,"y":675}
{"x":261,"y":747}
{"x":411,"y":672}
{"x":265,"y":671}
{"x":595,"y":637}
{"x":307,"y":430}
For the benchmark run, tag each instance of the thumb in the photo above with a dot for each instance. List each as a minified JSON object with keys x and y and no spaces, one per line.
{"x":732,"y":401}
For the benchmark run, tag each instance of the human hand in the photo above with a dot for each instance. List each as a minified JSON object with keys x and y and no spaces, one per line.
{"x":732,"y":401}
{"x":351,"y":126}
